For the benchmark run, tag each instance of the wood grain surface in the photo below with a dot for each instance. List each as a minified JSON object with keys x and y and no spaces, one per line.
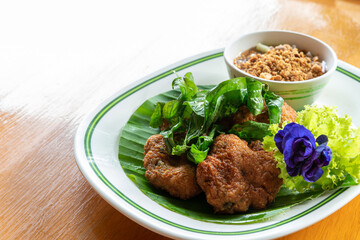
{"x":58,"y":60}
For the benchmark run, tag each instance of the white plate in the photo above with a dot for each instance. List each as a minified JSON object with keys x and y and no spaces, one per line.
{"x":96,"y":150}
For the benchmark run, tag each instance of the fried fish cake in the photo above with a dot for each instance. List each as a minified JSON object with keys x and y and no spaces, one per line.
{"x":174,"y":174}
{"x":235,"y":177}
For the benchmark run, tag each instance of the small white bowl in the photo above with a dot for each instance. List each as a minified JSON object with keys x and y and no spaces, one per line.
{"x":296,"y":94}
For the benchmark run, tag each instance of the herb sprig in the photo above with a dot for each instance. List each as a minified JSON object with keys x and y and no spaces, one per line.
{"x":194,"y":115}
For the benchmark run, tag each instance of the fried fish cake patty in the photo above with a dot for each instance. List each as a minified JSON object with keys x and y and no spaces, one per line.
{"x":235,"y":177}
{"x":244,"y":114}
{"x":174,"y":174}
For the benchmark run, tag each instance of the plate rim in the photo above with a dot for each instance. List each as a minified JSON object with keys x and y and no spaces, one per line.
{"x":83,"y":157}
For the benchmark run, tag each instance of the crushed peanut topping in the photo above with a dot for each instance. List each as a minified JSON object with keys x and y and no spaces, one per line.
{"x":281,"y":63}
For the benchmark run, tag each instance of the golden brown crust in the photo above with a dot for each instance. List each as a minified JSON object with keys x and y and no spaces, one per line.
{"x":288,"y":113}
{"x":173,"y":174}
{"x":235,"y":177}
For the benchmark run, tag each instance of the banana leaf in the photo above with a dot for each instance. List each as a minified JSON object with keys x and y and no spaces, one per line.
{"x":131,"y":153}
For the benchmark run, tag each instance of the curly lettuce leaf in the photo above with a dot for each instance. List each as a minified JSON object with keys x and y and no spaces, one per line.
{"x":344,"y":141}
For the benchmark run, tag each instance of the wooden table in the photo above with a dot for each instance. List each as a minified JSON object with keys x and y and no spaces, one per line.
{"x":58,"y":60}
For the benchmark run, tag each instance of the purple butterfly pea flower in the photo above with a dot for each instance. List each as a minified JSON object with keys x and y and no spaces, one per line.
{"x":311,"y":170}
{"x":301,"y":155}
{"x":297,"y":144}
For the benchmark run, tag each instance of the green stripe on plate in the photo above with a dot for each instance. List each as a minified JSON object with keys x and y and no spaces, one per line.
{"x":349,"y":74}
{"x":103,"y":111}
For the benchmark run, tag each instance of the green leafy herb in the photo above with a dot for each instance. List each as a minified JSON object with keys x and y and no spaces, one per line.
{"x":251,"y":131}
{"x":235,"y":85}
{"x":187,"y":86}
{"x":156,"y":118}
{"x":179,"y":150}
{"x":197,"y":103}
{"x":196,"y":155}
{"x":169,"y":136}
{"x":194,"y":113}
{"x":254,"y":101}
{"x":198,"y":151}
{"x":187,"y":112}
{"x":224,"y":100}
{"x":171,"y":109}
{"x":274,"y":104}
{"x":194,"y":129}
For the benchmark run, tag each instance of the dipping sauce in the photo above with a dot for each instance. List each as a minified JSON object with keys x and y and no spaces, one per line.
{"x":280,"y":63}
